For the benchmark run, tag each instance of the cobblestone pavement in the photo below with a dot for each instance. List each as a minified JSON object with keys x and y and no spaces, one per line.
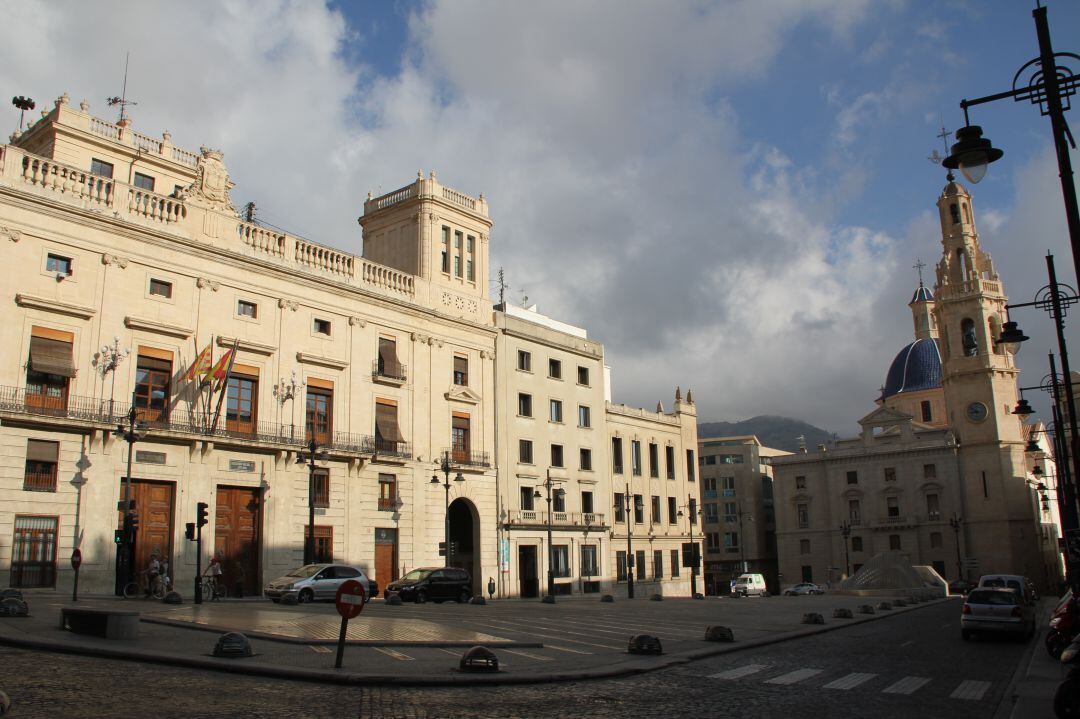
{"x":913,"y":664}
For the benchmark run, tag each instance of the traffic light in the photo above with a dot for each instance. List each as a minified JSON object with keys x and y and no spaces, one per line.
{"x":189,"y":531}
{"x":202,"y":514}
{"x":118,"y":536}
{"x":442,"y":549}
{"x":133,"y":524}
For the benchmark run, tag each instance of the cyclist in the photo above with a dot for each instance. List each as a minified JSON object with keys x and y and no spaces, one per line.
{"x":213,"y":574}
{"x":151,"y":574}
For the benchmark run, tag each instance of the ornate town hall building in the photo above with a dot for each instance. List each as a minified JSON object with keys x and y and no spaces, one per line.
{"x":135,"y":289}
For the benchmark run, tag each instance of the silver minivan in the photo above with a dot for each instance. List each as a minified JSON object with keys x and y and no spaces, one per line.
{"x":315,"y":581}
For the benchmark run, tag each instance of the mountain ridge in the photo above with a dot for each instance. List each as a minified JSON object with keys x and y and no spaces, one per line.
{"x":772,"y":430}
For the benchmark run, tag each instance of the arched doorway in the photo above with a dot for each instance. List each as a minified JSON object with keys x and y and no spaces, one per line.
{"x":465,"y":540}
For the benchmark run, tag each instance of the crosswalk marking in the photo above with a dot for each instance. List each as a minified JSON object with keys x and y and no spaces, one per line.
{"x":970,"y":689}
{"x":520,"y":653}
{"x":395,"y":655}
{"x":740,"y":672}
{"x":907,"y":685}
{"x":793,"y":677}
{"x":850,"y":681}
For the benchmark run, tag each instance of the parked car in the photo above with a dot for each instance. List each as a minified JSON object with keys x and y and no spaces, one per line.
{"x":750,"y":584}
{"x":313,"y":582}
{"x":1019,"y":584}
{"x":436,"y":584}
{"x":959,"y":586}
{"x":804,"y":588}
{"x":996,"y":610}
{"x":373,"y":589}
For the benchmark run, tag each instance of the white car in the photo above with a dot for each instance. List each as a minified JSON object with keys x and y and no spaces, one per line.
{"x":804,"y":588}
{"x":315,"y":581}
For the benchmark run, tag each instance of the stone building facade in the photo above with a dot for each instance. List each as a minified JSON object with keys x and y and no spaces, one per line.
{"x":136,"y":285}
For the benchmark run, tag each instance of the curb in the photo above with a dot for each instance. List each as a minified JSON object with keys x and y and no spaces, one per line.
{"x":610,"y":671}
{"x":1007,"y":705}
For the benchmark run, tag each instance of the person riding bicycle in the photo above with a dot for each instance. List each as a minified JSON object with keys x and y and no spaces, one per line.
{"x":151,"y":573}
{"x":213,"y":573}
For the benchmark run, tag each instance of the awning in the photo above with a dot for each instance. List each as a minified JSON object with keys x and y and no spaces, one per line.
{"x":388,"y":358}
{"x":386,"y":424}
{"x":41,"y":451}
{"x":51,"y":357}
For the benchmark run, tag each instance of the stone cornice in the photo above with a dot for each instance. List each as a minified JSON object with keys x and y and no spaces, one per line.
{"x":246,"y":345}
{"x":139,"y":323}
{"x":65,"y":308}
{"x":306,"y":358}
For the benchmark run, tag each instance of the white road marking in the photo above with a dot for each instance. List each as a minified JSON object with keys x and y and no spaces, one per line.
{"x":565,"y":649}
{"x":537,"y":657}
{"x":850,"y":681}
{"x":794,"y":677}
{"x":907,"y":685}
{"x":394,"y":655}
{"x":451,"y":652}
{"x":970,"y":689}
{"x":552,"y":636}
{"x":908,"y":643}
{"x":740,"y":672}
{"x":319,"y":649}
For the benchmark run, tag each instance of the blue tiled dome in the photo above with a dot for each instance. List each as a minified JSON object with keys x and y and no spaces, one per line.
{"x":923,"y":294}
{"x":916,"y":367}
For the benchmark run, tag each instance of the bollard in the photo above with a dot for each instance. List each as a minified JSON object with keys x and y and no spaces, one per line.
{"x":716,"y":633}
{"x":866,"y":609}
{"x":548,"y":599}
{"x":607,"y":598}
{"x":656,"y":598}
{"x":644,"y":644}
{"x":842,"y":614}
{"x":475,"y":600}
{"x":479,"y":659}
{"x":699,"y":595}
{"x":813,"y":618}
{"x":884,"y":606}
{"x":173,"y":598}
{"x":394,"y":599}
{"x":233,"y":645}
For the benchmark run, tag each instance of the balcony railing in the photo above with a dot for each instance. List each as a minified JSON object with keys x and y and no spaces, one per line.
{"x":387,"y":504}
{"x":73,"y":407}
{"x":395,"y":372}
{"x":467,"y":458}
{"x":387,"y":448}
{"x":40,"y":481}
{"x":577,"y":520}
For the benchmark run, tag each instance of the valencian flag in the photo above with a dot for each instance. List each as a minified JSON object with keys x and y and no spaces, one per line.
{"x":223,"y":366}
{"x":200,"y":366}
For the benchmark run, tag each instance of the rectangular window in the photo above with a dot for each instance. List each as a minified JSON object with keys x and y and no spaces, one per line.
{"x":712,"y":540}
{"x":153,"y":376}
{"x":320,"y":491}
{"x":160,"y":288}
{"x":457,"y":252}
{"x":802,"y":512}
{"x":59,"y":264}
{"x":890,"y":474}
{"x":586,"y":503}
{"x":731,"y":541}
{"x":935,"y":540}
{"x":524,"y":361}
{"x":894,"y":542}
{"x":584,"y":416}
{"x":620,"y":507}
{"x":933,"y":507}
{"x":929,"y":471}
{"x":324,"y":543}
{"x":560,"y":560}
{"x":101,"y":168}
{"x":241,"y":404}
{"x":247,"y":309}
{"x":656,"y":518}
{"x":33,"y":552}
{"x":319,"y":417}
{"x":731,"y":512}
{"x":658,"y":564}
{"x":690,"y":468}
{"x":893,"y":505}
{"x":669,"y":461}
{"x":853,"y":477}
{"x":524,"y":404}
{"x":635,"y":457}
{"x":527,"y":499}
{"x":556,"y":455}
{"x":927,"y":415}
{"x":586,"y":459}
{"x":616,"y":455}
{"x":446,"y":249}
{"x":49,"y":369}
{"x":800,"y":482}
{"x":554,"y":369}
{"x":461,"y":371}
{"x":589,"y":565}
{"x":856,"y":544}
{"x":387,"y":492}
{"x":639,"y":509}
{"x":674,"y":563}
{"x":712,"y":512}
{"x":583,"y":376}
{"x":727,"y":486}
{"x":42,"y":458}
{"x":460,"y":440}
{"x":470,"y":246}
{"x":853,"y":512}
{"x":143,"y":182}
{"x":804,"y":546}
{"x":639,"y":565}
{"x":672,"y":511}
{"x":620,"y":566}
{"x":556,"y":410}
{"x":387,"y":364}
{"x":525,"y":451}
{"x":654,"y":460}
{"x":321,"y":327}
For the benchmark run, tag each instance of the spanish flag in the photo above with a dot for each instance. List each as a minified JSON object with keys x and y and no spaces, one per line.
{"x":221,"y":369}
{"x":200,"y":366}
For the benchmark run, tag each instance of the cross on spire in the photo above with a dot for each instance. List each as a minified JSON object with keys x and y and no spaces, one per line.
{"x":918,"y":267}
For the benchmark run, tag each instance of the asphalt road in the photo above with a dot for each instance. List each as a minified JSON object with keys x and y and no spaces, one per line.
{"x":914,"y":664}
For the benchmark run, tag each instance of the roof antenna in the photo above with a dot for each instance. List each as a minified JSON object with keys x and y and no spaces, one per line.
{"x":938,"y":159}
{"x":503,"y":287}
{"x":122,"y":101}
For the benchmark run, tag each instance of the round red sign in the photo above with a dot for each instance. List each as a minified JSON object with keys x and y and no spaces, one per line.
{"x":350,"y":599}
{"x":76,"y":558}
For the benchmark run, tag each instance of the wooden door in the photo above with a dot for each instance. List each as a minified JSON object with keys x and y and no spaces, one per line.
{"x":154,"y":506}
{"x":236,"y":538}
{"x":529,"y":581}
{"x":385,"y":556}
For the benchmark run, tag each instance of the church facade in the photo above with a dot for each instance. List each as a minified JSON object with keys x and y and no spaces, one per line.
{"x":938,"y":472}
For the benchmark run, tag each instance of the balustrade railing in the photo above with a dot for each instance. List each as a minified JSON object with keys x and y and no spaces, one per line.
{"x":66,"y":180}
{"x":261,"y":239}
{"x":392,"y":198}
{"x":323,"y":258}
{"x":468,"y":458}
{"x":153,"y":206}
{"x":459,"y":198}
{"x":578,"y":520}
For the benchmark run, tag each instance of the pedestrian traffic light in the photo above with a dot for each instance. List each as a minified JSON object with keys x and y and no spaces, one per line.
{"x":118,"y":536}
{"x":133,"y":524}
{"x":189,"y":531}
{"x":202,"y":508}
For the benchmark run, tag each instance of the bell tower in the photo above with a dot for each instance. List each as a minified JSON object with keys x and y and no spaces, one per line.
{"x":979,"y":380}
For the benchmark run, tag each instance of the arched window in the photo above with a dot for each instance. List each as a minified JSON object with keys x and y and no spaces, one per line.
{"x":968,"y":340}
{"x":967,"y":213}
{"x":965,"y":265}
{"x":954,"y":212}
{"x":995,"y":332}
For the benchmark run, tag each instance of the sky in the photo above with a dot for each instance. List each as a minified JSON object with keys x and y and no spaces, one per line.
{"x":729,"y":195}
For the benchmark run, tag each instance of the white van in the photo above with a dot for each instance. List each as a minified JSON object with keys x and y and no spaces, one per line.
{"x":1021,"y":585}
{"x":748,"y":585}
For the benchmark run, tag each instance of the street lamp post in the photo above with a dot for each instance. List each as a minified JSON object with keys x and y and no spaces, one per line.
{"x":560,"y":492}
{"x":956,"y":521}
{"x":845,"y":531}
{"x":694,"y":514}
{"x":446,"y":464}
{"x":131,"y":433}
{"x":628,"y":501}
{"x":1045,"y":83}
{"x":313,"y":454}
{"x":586,"y":569}
{"x":106,"y":360}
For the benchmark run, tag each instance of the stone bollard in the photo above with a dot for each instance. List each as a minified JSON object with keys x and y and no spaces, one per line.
{"x":394,"y":599}
{"x":644,"y":644}
{"x":716,"y":633}
{"x":913,"y":600}
{"x":656,"y":598}
{"x":475,"y":600}
{"x":173,"y":598}
{"x":479,"y":659}
{"x":866,"y":609}
{"x":233,"y":645}
{"x":607,"y":598}
{"x":548,"y":599}
{"x":289,"y":598}
{"x":12,"y":607}
{"x":900,"y":602}
{"x":884,"y":606}
{"x":699,"y":595}
{"x":813,"y":618}
{"x":842,"y":614}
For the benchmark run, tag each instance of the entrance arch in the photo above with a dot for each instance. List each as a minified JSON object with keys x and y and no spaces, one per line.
{"x":465,"y":539}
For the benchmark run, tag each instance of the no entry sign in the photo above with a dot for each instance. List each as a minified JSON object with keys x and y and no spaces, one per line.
{"x":76,"y":558}
{"x":350,"y":599}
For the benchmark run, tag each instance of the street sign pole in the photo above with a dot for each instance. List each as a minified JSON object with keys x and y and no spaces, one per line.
{"x":349,"y":603}
{"x":76,"y":562}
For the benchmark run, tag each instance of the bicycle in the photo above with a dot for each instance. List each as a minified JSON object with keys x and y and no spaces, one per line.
{"x":156,"y":587}
{"x":212,"y":590}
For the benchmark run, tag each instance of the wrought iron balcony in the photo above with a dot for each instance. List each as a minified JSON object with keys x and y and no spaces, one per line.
{"x":468,"y":458}
{"x":386,"y":448}
{"x":388,"y":371}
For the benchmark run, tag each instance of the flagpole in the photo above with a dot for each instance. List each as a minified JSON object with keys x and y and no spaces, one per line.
{"x":225,"y":384}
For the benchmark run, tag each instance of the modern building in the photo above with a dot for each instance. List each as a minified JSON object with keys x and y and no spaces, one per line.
{"x":938,"y":471}
{"x":737,"y":510}
{"x":139,"y":293}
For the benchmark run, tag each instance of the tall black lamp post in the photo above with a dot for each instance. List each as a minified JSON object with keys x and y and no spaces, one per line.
{"x":446,"y":465}
{"x":956,"y":522}
{"x":694,"y":514}
{"x":630,"y":503}
{"x":310,"y":458}
{"x":131,"y":432}
{"x":845,"y":532}
{"x":1045,"y":83}
{"x":558,"y":493}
